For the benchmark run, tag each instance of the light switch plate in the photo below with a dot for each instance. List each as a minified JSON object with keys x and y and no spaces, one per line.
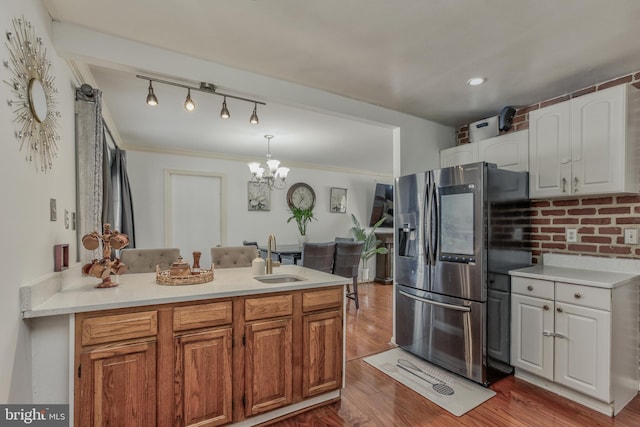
{"x":571,"y":235}
{"x":630,"y":236}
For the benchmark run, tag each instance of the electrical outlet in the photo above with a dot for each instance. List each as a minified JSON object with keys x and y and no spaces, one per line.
{"x":630,"y":236}
{"x":571,"y":235}
{"x":66,"y":219}
{"x":53,"y":212}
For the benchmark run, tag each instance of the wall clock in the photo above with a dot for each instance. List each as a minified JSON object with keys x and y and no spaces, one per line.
{"x":301,"y":195}
{"x":33,"y":91}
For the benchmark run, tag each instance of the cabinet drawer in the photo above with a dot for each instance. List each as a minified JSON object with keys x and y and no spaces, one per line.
{"x":532,"y":287}
{"x":319,"y":300}
{"x":118,"y":327}
{"x":266,"y":307}
{"x":586,"y":296}
{"x":201,"y":315}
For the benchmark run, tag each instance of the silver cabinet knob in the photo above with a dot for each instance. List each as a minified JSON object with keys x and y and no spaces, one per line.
{"x":530,"y":288}
{"x":577,"y":295}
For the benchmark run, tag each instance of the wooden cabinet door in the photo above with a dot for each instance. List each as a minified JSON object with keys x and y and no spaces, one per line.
{"x":509,"y":151}
{"x":583,"y":349}
{"x":459,"y":155}
{"x":322,"y":353}
{"x":118,"y":385}
{"x":532,"y":335}
{"x":203,"y":378}
{"x":597,"y":141}
{"x":268,"y":365}
{"x":550,"y":151}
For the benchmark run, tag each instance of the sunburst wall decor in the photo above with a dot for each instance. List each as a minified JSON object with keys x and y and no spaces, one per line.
{"x":33,"y":92}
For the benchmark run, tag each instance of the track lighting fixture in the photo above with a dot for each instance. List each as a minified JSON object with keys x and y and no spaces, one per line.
{"x":224,"y":113}
{"x":189,"y":105}
{"x":254,"y":116}
{"x":151,"y":98}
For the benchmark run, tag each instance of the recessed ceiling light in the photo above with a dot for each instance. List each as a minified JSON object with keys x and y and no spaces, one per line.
{"x":475,"y":81}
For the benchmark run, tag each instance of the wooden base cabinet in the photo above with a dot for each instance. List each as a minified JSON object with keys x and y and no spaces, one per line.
{"x":207,"y":363}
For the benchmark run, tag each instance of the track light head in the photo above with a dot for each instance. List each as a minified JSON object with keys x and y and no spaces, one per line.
{"x":189,"y":105}
{"x":254,"y":116}
{"x":224,"y":113}
{"x":151,"y":97}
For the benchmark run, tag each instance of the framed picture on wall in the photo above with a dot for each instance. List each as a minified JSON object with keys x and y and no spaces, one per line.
{"x":338,"y":200}
{"x":259,"y":197}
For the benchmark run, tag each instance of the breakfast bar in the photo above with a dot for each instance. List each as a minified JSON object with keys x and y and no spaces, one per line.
{"x":240,"y":349}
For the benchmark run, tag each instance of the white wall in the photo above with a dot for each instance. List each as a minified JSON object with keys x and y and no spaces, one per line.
{"x":28,"y":236}
{"x":146,"y":175}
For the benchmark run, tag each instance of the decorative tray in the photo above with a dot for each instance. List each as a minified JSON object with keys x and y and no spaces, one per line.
{"x":164,"y":277}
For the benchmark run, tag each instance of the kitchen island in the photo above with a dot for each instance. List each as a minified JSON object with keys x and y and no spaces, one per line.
{"x":234,"y":350}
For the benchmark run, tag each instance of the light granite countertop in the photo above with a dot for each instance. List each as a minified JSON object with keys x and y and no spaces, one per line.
{"x":74,"y":293}
{"x":583,"y":270}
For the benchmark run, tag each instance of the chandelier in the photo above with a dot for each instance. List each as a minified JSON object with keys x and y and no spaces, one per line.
{"x":271,"y":173}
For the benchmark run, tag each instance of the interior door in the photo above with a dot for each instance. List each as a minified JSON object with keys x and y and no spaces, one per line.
{"x":194,"y":214}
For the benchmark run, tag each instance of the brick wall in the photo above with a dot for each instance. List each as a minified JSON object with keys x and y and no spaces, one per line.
{"x":599,"y":220}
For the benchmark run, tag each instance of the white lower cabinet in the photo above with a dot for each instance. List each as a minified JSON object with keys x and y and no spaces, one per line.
{"x":563,"y":338}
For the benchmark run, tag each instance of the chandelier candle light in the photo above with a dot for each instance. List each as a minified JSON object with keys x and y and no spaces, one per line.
{"x":271,"y":174}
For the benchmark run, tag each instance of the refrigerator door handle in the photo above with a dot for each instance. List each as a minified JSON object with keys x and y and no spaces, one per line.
{"x":433,"y":237}
{"x":427,"y":222}
{"x":436,"y":303}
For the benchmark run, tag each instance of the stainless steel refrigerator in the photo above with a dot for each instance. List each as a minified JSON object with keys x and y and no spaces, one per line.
{"x":459,"y":230}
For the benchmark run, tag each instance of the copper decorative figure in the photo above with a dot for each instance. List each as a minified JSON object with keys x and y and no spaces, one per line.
{"x":103,"y":268}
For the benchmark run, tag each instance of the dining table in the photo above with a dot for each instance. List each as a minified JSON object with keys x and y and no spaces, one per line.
{"x":285,"y":253}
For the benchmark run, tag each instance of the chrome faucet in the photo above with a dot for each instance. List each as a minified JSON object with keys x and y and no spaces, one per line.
{"x":269,"y":263}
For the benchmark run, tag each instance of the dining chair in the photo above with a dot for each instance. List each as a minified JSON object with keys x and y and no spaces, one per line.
{"x":233,"y":256}
{"x":344,"y":239}
{"x":346,"y":263}
{"x":248,"y":243}
{"x":318,"y":256}
{"x":145,"y":260}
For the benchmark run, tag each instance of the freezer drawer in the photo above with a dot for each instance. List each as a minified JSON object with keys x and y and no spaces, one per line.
{"x":448,"y":332}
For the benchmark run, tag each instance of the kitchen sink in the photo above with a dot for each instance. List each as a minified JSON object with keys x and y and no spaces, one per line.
{"x":279,"y":278}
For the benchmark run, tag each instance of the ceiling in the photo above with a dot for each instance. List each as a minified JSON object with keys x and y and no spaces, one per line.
{"x":411,"y":56}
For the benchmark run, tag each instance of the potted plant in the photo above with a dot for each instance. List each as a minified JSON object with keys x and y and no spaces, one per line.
{"x":370,"y":245}
{"x":302,"y":216}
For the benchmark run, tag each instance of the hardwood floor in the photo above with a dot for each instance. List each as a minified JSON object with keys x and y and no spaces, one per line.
{"x":371,"y":398}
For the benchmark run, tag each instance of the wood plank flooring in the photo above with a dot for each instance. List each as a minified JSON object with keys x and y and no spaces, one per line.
{"x":371,"y":398}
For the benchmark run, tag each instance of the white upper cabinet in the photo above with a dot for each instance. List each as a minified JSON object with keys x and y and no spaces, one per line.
{"x":587,"y":145}
{"x":509,"y":151}
{"x":459,"y":155}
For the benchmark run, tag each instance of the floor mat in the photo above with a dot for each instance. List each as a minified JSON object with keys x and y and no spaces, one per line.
{"x":451,"y":392}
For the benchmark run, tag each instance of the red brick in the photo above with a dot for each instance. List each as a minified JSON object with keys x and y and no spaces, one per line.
{"x":586,"y":230}
{"x":628,"y":199}
{"x":595,"y":221}
{"x":598,"y":201}
{"x":528,"y":109}
{"x":558,"y":212}
{"x":522,"y":126}
{"x":583,"y":91}
{"x":541,"y":221}
{"x":618,"y":210}
{"x":559,"y":238}
{"x":463,"y":141}
{"x":554,"y":246}
{"x":609,"y":230}
{"x":636,"y":85}
{"x":565,"y":220}
{"x":519,"y":119}
{"x":582,"y":211}
{"x":535,"y":244}
{"x":615,"y":249}
{"x":573,"y":202}
{"x":540,"y":204}
{"x":636,"y":76}
{"x":638,"y":252}
{"x":554,"y":101}
{"x":552,"y":230}
{"x":583,"y":248}
{"x":540,"y":237}
{"x":620,"y":240}
{"x":631,"y":220}
{"x":464,"y":128}
{"x":615,"y":82}
{"x":636,"y":209}
{"x":596,"y":239}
